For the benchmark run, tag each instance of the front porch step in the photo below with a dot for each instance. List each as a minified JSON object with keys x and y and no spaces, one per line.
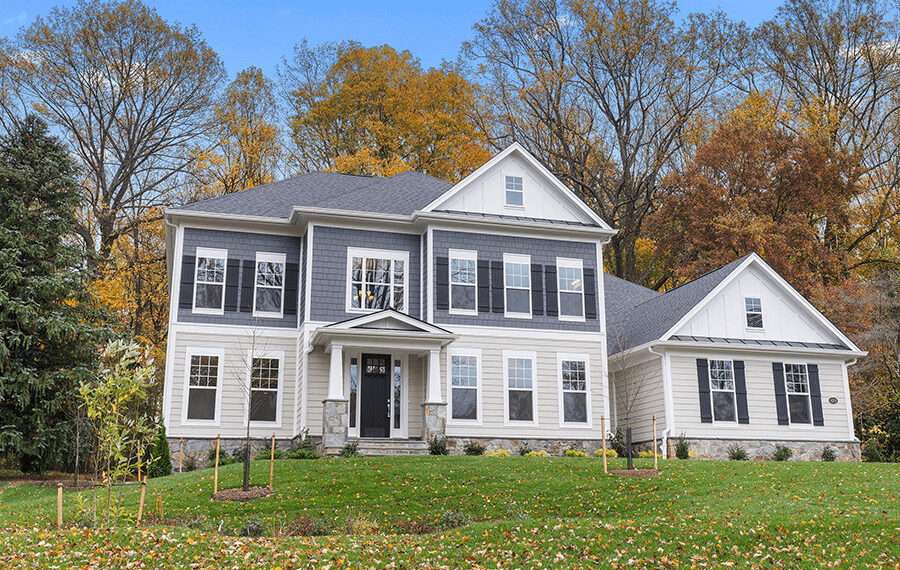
{"x":384,"y":447}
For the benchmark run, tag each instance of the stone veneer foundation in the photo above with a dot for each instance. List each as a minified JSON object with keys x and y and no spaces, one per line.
{"x":198,"y":449}
{"x":763,"y":450}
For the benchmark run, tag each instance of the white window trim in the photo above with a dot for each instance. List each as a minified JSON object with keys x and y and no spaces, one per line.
{"x":570,"y":356}
{"x":787,"y":395}
{"x":470,"y":256}
{"x":279,"y":403}
{"x":211,"y":253}
{"x":722,"y":423}
{"x":520,"y":259}
{"x":746,"y":312}
{"x":403,"y":432}
{"x":270,"y":258}
{"x":382,"y":254}
{"x":202,"y":351}
{"x":479,"y":386}
{"x":579,"y":264}
{"x":507,"y":354}
{"x":514,"y":207}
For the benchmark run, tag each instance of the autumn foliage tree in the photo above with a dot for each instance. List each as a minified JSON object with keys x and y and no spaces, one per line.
{"x":375,"y":111}
{"x":754,"y":187}
{"x":249,"y":148}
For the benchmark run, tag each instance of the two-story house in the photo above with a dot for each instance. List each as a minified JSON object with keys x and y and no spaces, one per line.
{"x":396,"y":309}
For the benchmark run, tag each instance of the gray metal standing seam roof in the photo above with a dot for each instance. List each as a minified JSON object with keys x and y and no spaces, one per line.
{"x":636,"y":315}
{"x":400,"y":194}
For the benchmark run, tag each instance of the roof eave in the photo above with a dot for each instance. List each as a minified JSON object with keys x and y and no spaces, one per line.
{"x":425,"y":217}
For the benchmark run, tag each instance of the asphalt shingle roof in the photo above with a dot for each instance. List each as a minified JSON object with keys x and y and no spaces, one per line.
{"x":400,"y":194}
{"x":636,"y":315}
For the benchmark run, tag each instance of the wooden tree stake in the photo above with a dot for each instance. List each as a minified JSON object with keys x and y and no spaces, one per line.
{"x":603,"y":432}
{"x":141,"y":504}
{"x":655,"y":460}
{"x":272,"y":462}
{"x":159,"y":507}
{"x":216,"y":476}
{"x":59,"y":506}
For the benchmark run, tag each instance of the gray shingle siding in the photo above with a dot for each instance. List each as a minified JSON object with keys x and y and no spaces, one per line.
{"x":425,"y":276}
{"x":240,"y":245}
{"x":542,"y":251}
{"x":301,"y":311}
{"x":329,"y":268}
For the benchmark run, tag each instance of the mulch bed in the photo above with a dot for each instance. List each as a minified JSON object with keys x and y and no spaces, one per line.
{"x":636,"y":473}
{"x":238,"y":494}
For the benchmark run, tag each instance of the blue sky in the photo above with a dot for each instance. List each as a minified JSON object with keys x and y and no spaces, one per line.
{"x":261,"y":32}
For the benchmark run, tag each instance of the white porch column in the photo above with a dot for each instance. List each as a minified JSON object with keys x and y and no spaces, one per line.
{"x":336,"y":373}
{"x":433,"y":387}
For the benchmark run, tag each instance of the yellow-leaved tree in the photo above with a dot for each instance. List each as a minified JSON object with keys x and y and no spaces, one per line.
{"x":375,"y":111}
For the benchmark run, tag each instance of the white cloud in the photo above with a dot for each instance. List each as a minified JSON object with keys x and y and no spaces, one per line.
{"x":20,"y":19}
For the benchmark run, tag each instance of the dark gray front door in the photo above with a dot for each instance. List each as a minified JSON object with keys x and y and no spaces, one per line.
{"x":375,"y":396}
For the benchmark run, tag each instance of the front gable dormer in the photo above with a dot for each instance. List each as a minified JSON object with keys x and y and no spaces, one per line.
{"x":514,"y":184}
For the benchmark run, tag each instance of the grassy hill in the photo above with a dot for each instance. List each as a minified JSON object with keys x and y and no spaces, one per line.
{"x":481,"y":512}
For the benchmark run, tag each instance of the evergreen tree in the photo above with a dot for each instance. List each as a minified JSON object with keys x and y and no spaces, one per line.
{"x":48,"y":321}
{"x":162,"y":461}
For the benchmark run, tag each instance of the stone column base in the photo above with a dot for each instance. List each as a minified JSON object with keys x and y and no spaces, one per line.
{"x":335,"y":423}
{"x":434,"y":420}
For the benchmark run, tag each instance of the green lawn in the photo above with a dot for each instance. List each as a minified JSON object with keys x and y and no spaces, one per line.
{"x":490,"y":512}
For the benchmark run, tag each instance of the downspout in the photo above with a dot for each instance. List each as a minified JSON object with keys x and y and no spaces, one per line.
{"x":667,"y":400}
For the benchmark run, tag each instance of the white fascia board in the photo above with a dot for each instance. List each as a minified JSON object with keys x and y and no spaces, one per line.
{"x":754,"y":259}
{"x":515,"y":147}
{"x":536,"y":335}
{"x":231,"y":222}
{"x":520,"y":227}
{"x":211,"y":330}
{"x":303,"y":215}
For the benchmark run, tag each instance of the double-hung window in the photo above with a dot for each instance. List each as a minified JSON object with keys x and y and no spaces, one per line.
{"x":265,"y":384}
{"x":209,"y":282}
{"x":796,"y":382}
{"x":753,"y":308}
{"x":515,"y":195}
{"x":465,"y":368}
{"x":203,"y":380}
{"x":517,"y":280}
{"x":570,"y":274}
{"x":377,"y":280}
{"x":721,"y":385}
{"x":519,"y":383}
{"x":574,"y":389}
{"x":269,"y":297}
{"x":463,"y":281}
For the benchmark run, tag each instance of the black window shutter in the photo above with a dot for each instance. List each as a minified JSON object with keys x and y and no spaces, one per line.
{"x":537,"y":289}
{"x":552,"y":299}
{"x":291,"y":287}
{"x":780,"y":394}
{"x":442,"y":279}
{"x":590,"y":293}
{"x":248,"y":280}
{"x":815,"y":394}
{"x":740,"y":389}
{"x":703,"y":385}
{"x":484,"y":286}
{"x":186,"y":295}
{"x":497,"y":286}
{"x":232,"y":275}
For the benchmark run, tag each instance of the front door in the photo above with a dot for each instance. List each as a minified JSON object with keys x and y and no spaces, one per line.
{"x":375,"y":396}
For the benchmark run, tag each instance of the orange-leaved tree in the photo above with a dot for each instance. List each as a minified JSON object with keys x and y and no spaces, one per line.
{"x":375,"y":111}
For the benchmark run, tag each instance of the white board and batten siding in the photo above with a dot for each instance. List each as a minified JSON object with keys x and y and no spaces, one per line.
{"x":235,"y":349}
{"x":639,"y":396}
{"x":760,"y":398}
{"x":493,"y":423}
{"x":486,"y":194}
{"x":724,"y":315}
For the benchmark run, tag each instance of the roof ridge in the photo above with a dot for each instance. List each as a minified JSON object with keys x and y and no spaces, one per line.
{"x":710,"y":272}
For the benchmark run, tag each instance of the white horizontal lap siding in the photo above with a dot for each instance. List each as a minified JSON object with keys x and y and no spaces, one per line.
{"x":233,"y":380}
{"x":319,"y":368}
{"x":760,"y":400}
{"x":547,"y":388}
{"x":639,"y":395}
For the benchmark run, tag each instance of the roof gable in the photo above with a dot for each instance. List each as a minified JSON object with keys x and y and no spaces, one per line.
{"x":387,"y":319}
{"x":544,"y":197}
